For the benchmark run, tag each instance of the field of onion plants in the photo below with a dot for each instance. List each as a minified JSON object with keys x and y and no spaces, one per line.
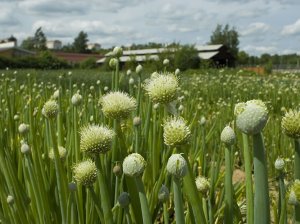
{"x":218,"y":146}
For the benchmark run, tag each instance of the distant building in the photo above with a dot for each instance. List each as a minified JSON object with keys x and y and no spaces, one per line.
{"x":219,"y":54}
{"x":94,"y":46}
{"x":8,"y":42}
{"x":54,"y":45}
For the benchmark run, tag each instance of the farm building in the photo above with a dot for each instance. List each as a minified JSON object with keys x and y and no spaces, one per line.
{"x":15,"y":52}
{"x":54,"y":44}
{"x":219,"y":54}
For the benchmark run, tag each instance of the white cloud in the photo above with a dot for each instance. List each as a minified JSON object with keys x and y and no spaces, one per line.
{"x":255,"y":28}
{"x":291,"y":29}
{"x":92,"y":27}
{"x":254,"y":49}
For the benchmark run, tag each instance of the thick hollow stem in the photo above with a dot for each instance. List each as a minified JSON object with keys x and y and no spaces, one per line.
{"x":179,"y":214}
{"x":297,"y":176}
{"x":228,"y":187}
{"x":105,"y":200}
{"x":282,"y":204}
{"x":166,"y":213}
{"x":190,"y":189}
{"x":143,"y":199}
{"x":249,"y":184}
{"x":261,"y":196}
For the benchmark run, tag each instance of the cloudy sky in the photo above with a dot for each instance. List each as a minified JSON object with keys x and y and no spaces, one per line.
{"x":265,"y":26}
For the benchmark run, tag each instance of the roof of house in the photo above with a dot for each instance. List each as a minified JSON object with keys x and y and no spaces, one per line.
{"x":212,"y":47}
{"x":207,"y":55}
{"x":204,"y":52}
{"x":18,"y":49}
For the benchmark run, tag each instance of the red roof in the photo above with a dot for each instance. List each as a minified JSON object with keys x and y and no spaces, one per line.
{"x":76,"y":57}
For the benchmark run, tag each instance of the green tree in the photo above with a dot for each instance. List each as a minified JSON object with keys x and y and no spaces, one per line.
{"x":228,"y":37}
{"x":243,"y":58}
{"x":80,"y":42}
{"x":28,"y":43}
{"x":40,"y":40}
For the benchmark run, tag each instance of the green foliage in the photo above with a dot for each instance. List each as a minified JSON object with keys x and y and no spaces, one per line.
{"x":45,"y":60}
{"x":80,"y":43}
{"x":40,"y":40}
{"x":37,"y":42}
{"x":89,"y":63}
{"x":228,"y":37}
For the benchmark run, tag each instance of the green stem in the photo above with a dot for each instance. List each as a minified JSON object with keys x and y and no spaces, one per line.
{"x":166,"y":213}
{"x":249,"y":184}
{"x":282,"y":203}
{"x":261,"y":197}
{"x":190,"y":189}
{"x":96,"y":202}
{"x":106,"y":205}
{"x":179,"y":212}
{"x":228,"y":187}
{"x":117,"y":76}
{"x":127,"y":215}
{"x":60,"y":176}
{"x":297,"y":176}
{"x":143,"y":199}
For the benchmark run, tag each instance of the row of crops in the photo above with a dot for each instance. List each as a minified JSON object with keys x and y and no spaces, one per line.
{"x":133,"y":147}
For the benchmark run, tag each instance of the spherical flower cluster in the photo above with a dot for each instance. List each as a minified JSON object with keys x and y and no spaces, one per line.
{"x":252,"y":116}
{"x":177,"y":166}
{"x":23,"y":128}
{"x":162,"y":88}
{"x":228,"y":136}
{"x":124,"y":199}
{"x":279,"y":164}
{"x":163,"y":194}
{"x":85,"y":172}
{"x":95,"y":139}
{"x":25,"y":148}
{"x":291,"y":124}
{"x":176,"y":132}
{"x":50,"y":109}
{"x":134,"y":165}
{"x":62,"y":152}
{"x":294,"y":195}
{"x":76,"y":99}
{"x":202,"y":184}
{"x":117,"y":105}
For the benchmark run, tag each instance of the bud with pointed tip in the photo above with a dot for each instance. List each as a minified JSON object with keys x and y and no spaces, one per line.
{"x":228,"y":136}
{"x":177,"y":166}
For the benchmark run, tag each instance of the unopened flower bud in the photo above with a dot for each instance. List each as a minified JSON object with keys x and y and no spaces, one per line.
{"x":202,"y":184}
{"x":279,"y":164}
{"x":117,"y":170}
{"x":25,"y":148}
{"x":10,"y":200}
{"x":117,"y":52}
{"x":23,"y":128}
{"x":166,"y":62}
{"x":163,"y":194}
{"x":113,"y":62}
{"x":76,"y":99}
{"x":139,"y":69}
{"x":136,"y":121}
{"x":134,"y":165}
{"x":228,"y":136}
{"x":124,"y":199}
{"x":177,"y":166}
